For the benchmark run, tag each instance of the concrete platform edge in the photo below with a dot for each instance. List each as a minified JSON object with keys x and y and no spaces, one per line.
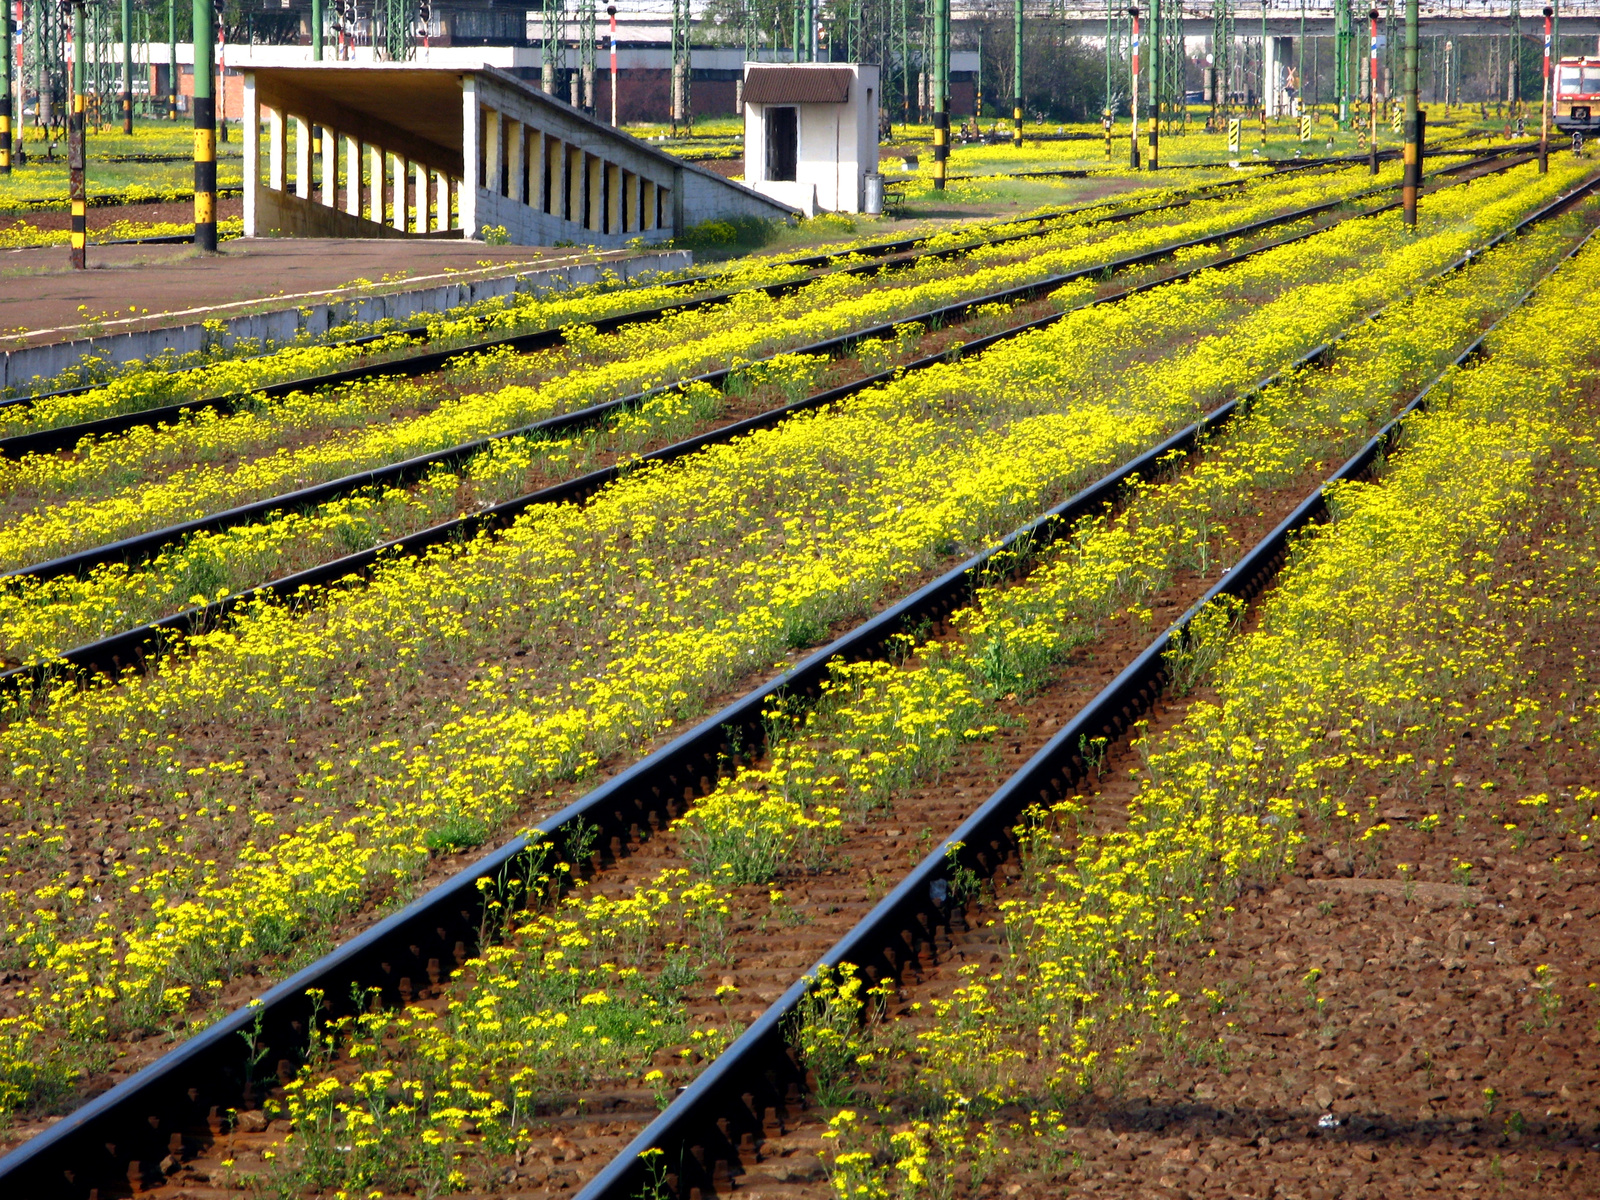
{"x":30,"y":365}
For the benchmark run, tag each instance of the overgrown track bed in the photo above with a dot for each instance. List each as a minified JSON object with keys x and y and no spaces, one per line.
{"x":141,"y":644}
{"x":410,"y":362}
{"x":612,"y":806}
{"x":113,"y":487}
{"x":932,"y":942}
{"x":974,"y":316}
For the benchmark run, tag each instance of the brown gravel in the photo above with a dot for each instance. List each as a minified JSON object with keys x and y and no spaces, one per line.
{"x":834,"y":900}
{"x":1375,"y":1033}
{"x":765,"y":961}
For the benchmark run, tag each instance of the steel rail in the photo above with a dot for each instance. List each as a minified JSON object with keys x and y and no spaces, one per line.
{"x":119,"y":1136}
{"x":142,"y":545}
{"x":180,"y":1102}
{"x":134,"y":647}
{"x":897,"y":252}
{"x":719,"y":1117}
{"x":1277,"y":165}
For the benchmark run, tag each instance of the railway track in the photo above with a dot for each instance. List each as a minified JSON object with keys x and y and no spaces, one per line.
{"x":182,"y":1103}
{"x":899,"y":252}
{"x":47,"y":441}
{"x":1278,"y":165}
{"x":138,"y":645}
{"x":133,"y":548}
{"x":715,"y":1130}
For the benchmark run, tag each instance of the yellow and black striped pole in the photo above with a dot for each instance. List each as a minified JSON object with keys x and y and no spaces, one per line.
{"x":127,"y":67}
{"x":1411,"y":177}
{"x":5,"y":100}
{"x":77,"y":191}
{"x":172,"y":60}
{"x":941,"y":92}
{"x":205,"y":131}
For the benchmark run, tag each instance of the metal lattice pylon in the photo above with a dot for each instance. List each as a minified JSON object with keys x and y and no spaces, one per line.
{"x":1118,"y":33}
{"x":586,"y":42}
{"x":1173,"y":61}
{"x":682,"y":26}
{"x":393,"y":35}
{"x":552,"y":20}
{"x":1221,"y":59}
{"x":1343,"y":59}
{"x":1514,"y":59}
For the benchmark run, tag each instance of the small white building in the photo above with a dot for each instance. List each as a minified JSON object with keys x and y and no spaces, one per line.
{"x":811,"y":133}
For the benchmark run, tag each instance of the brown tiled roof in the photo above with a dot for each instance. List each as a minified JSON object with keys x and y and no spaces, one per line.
{"x":797,"y":85}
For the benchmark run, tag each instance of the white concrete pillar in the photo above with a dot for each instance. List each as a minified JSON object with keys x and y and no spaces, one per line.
{"x":595,"y":165}
{"x":441,"y":202}
{"x":252,"y":152}
{"x":330,"y":168}
{"x":375,"y":157}
{"x":574,"y":185}
{"x":471,"y":154}
{"x":352,"y":174}
{"x":419,"y":185}
{"x":493,"y":157}
{"x":402,"y":210}
{"x":516,"y":165}
{"x":647,"y":205}
{"x":302,"y":158}
{"x":613,"y":198}
{"x":275,"y":152}
{"x":630,"y":200}
{"x":555,"y":153}
{"x":536,"y":145}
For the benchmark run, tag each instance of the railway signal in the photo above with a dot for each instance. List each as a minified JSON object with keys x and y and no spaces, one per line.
{"x":1544,"y":101}
{"x":1234,"y":127}
{"x":1133,"y":99}
{"x":1372,"y":88}
{"x":1305,"y":127}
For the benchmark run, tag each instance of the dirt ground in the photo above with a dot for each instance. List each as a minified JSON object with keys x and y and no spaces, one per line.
{"x":104,"y":216}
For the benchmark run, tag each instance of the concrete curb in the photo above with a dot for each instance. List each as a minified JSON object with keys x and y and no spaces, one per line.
{"x":317,"y":312}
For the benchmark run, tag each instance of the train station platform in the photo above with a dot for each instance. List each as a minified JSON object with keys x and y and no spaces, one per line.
{"x":411,"y":151}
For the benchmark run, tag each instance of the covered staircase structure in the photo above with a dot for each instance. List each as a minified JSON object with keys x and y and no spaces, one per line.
{"x":410,"y":150}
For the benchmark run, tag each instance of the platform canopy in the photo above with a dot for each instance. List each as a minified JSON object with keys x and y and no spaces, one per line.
{"x":412,"y":150}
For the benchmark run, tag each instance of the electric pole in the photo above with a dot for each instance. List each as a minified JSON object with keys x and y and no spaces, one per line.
{"x":1016,"y":107}
{"x":941,"y":92}
{"x":1411,"y":181}
{"x":5,"y":101}
{"x":205,"y":130}
{"x":172,"y":60}
{"x":77,"y":190}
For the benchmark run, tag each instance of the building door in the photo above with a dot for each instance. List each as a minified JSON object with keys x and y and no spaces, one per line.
{"x":783,"y":142}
